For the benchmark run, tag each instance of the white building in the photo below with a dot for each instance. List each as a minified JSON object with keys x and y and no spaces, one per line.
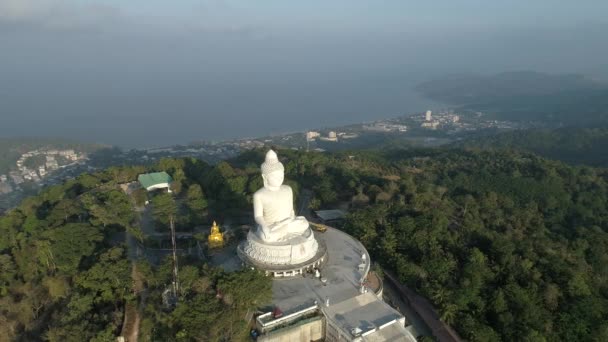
{"x":51,"y":163}
{"x":430,"y":125}
{"x":428,"y":116}
{"x":365,"y":318}
{"x":348,"y":135}
{"x":311,"y":135}
{"x":69,"y":154}
{"x":332,"y":136}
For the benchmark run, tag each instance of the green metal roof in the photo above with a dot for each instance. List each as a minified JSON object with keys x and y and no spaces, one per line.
{"x":151,"y":179}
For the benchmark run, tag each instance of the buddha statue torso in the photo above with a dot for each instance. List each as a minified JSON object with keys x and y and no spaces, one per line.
{"x":276,"y":205}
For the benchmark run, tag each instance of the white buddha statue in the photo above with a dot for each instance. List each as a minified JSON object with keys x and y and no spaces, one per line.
{"x":273,"y":205}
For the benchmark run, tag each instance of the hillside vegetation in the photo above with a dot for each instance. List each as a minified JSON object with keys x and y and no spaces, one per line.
{"x":507,"y":245}
{"x":65,"y":274}
{"x":573,"y":145}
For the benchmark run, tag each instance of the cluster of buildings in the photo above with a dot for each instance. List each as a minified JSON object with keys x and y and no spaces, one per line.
{"x":385,"y":126}
{"x":332,"y":136}
{"x":52,"y":160}
{"x":313,"y":136}
{"x":447,"y":118}
{"x":452,"y":123}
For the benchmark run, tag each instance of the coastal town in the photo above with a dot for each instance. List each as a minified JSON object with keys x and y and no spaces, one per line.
{"x":46,"y":166}
{"x":426,"y":129}
{"x":38,"y":167}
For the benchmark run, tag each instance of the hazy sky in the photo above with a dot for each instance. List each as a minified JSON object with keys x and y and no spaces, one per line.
{"x":148,"y":72}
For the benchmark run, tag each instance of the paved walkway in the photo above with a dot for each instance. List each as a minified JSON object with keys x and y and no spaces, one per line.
{"x":341,"y":272}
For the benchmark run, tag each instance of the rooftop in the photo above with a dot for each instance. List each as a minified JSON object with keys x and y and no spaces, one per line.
{"x":391,"y":333}
{"x":373,"y":318}
{"x":150,"y":180}
{"x":347,"y":264}
{"x":342,"y":272}
{"x":329,"y":215}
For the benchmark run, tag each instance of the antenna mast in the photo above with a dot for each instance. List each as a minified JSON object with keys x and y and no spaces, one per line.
{"x":174,"y":246}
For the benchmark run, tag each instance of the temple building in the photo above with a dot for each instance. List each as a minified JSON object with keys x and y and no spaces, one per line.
{"x":216,"y":238}
{"x":156,"y":180}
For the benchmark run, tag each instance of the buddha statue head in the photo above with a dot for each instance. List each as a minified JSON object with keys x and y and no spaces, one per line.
{"x":273,"y":171}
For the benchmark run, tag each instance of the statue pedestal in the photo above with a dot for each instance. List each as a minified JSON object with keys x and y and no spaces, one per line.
{"x":290,"y":252}
{"x":284,"y":258}
{"x":288,"y":246}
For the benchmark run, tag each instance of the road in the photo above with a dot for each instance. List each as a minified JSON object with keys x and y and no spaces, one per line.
{"x":392,"y":296}
{"x":440,"y":330}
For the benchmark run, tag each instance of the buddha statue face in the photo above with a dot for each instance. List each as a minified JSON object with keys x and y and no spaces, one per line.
{"x":272,"y":171}
{"x":274,"y":179}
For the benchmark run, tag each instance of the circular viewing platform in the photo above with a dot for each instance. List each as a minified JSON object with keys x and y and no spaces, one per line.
{"x":345,"y":267}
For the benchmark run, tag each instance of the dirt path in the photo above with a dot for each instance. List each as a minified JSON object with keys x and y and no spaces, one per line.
{"x":132,"y":337}
{"x":132,"y":319}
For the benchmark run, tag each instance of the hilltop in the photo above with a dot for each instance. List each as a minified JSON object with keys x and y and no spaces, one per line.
{"x":507,"y":245}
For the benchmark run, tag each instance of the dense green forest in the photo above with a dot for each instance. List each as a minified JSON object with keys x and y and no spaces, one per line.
{"x":507,"y":245}
{"x":65,"y":274}
{"x":574,"y":145}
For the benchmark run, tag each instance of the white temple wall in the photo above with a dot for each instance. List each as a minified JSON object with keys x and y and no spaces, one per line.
{"x":311,"y":331}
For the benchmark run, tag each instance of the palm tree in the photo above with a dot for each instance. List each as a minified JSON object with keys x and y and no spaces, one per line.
{"x":449,"y":313}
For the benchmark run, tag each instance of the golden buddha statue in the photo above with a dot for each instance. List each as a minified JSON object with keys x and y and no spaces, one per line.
{"x":216,"y":238}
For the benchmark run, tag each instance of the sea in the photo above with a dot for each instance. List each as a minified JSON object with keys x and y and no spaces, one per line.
{"x":155,"y":113}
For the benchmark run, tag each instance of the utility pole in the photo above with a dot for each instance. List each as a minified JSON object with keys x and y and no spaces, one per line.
{"x":174,"y":246}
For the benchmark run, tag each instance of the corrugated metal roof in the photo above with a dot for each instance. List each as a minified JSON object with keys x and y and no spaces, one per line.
{"x":148,"y":180}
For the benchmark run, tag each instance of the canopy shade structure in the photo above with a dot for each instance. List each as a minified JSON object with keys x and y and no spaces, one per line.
{"x":156,"y":180}
{"x":330,"y":215}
